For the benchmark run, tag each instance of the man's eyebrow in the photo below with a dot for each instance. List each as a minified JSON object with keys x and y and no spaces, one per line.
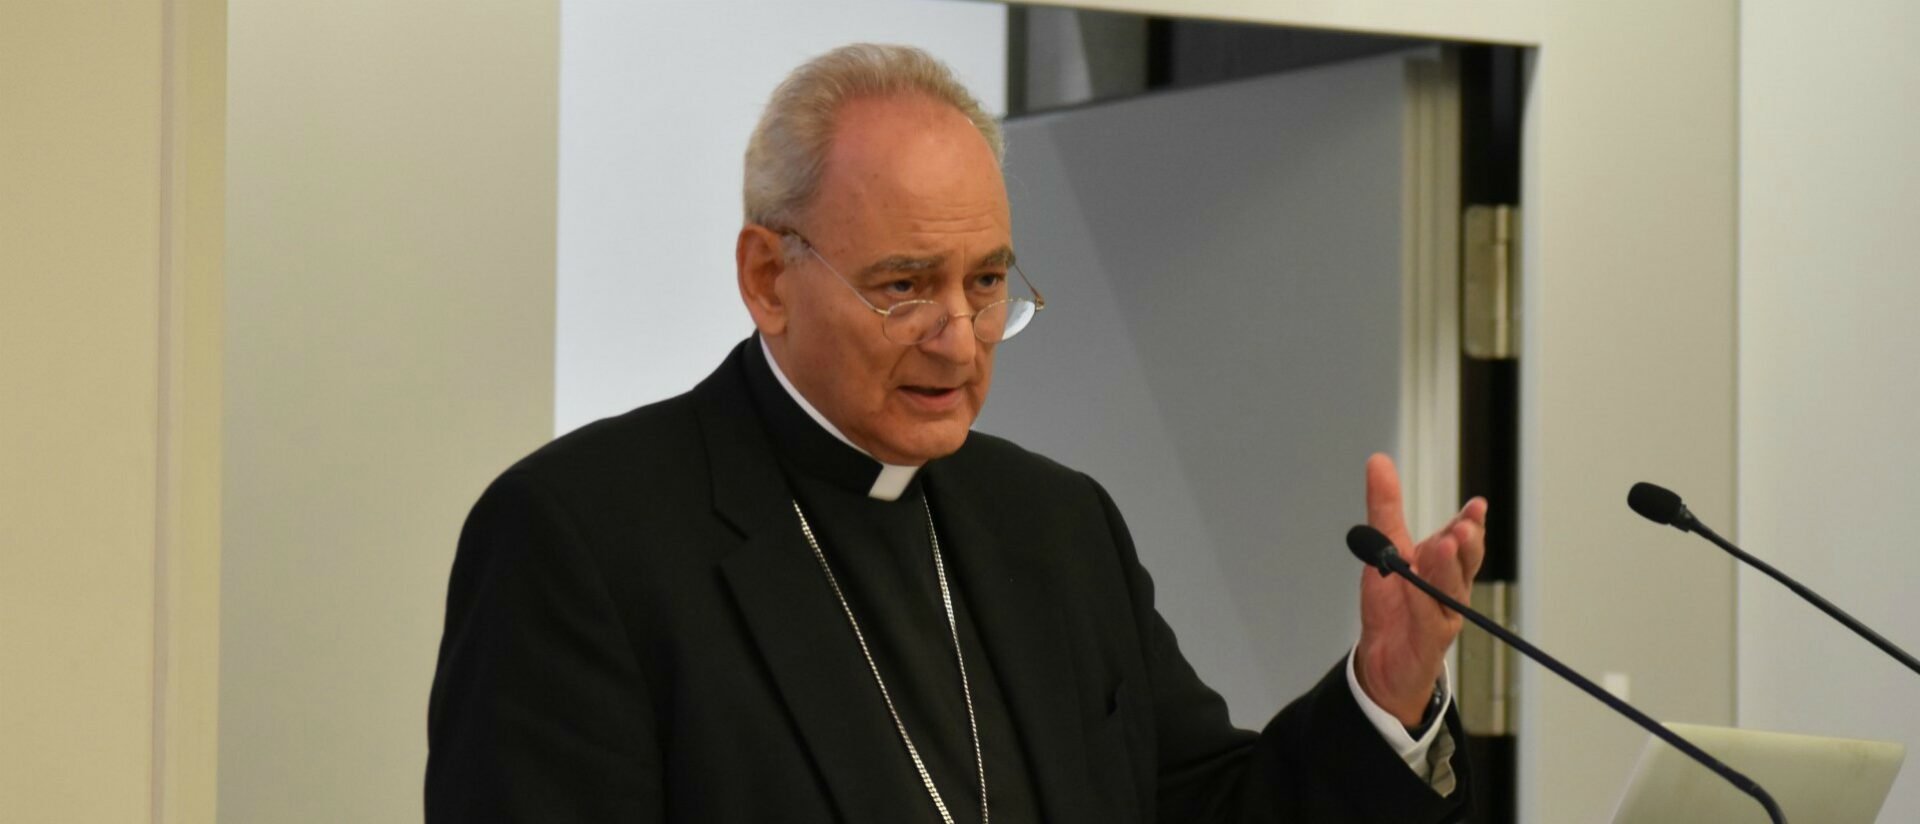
{"x":902,"y":264}
{"x":1001,"y":257}
{"x":908,"y":264}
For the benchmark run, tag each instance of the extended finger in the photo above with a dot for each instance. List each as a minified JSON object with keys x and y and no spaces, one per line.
{"x":1384,"y":510}
{"x":1440,"y":565}
{"x":1472,"y":538}
{"x":1475,"y":511}
{"x":1462,"y":526}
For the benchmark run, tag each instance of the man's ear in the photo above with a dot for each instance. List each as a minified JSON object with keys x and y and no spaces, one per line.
{"x":759,"y":257}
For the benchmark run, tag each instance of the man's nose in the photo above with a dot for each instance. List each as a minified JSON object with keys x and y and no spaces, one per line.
{"x":955,"y":342}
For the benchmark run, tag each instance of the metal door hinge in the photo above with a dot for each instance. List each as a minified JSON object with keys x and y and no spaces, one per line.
{"x":1486,"y":665}
{"x":1488,"y":251}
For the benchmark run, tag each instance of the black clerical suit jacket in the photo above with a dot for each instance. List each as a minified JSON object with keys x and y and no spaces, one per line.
{"x":637,"y":631}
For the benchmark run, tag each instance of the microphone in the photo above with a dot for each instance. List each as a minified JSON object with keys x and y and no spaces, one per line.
{"x":1374,"y":549}
{"x":1662,"y":506}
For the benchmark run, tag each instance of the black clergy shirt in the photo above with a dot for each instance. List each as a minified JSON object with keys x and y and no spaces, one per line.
{"x":881,"y":554}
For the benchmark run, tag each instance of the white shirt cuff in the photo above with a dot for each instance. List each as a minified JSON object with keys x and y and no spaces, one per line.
{"x":1414,"y":753}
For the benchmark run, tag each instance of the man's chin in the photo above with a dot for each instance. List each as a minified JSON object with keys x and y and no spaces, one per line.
{"x":923,"y":445}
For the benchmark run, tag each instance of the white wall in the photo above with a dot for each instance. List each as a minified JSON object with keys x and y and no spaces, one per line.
{"x":390,"y":331}
{"x":1829,"y":368}
{"x":656,"y":102}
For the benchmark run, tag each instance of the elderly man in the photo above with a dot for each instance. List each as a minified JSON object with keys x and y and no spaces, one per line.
{"x":806,"y":591}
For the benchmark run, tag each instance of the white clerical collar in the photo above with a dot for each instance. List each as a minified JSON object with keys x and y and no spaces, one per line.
{"x":893,"y":479}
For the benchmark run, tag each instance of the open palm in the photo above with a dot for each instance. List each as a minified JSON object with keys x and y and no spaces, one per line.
{"x":1404,"y":635}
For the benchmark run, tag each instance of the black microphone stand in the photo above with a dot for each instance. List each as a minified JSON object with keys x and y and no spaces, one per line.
{"x":1390,"y":560}
{"x":1661,"y":505}
{"x":1886,"y":646}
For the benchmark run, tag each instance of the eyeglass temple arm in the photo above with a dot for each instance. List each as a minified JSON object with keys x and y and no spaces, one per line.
{"x":1039,"y":300}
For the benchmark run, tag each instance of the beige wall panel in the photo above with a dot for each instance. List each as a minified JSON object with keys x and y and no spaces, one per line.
{"x":1628,"y":347}
{"x":193,"y":326}
{"x":1629,"y":375}
{"x":390,"y":320}
{"x":80,"y":194}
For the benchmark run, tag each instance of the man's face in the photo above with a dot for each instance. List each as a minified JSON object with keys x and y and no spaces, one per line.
{"x":910,"y":206}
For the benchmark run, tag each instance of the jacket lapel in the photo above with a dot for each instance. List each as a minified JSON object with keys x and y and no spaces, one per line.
{"x":814,"y":659}
{"x":1025,"y":634}
{"x":796,"y":623}
{"x":800,"y":632}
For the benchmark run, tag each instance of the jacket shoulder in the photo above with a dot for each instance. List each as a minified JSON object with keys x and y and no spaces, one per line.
{"x":650,"y":450}
{"x":1004,"y":465}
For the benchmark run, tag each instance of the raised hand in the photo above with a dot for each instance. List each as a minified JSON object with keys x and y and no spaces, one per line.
{"x":1404,"y":635}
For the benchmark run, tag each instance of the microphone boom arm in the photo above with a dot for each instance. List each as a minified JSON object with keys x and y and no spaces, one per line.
{"x":1390,"y":560}
{"x":1811,"y":597}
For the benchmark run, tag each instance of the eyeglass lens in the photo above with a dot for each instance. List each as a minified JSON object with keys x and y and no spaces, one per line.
{"x":920,"y":321}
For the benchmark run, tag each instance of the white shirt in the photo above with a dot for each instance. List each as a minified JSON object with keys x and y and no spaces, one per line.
{"x":1418,"y":755}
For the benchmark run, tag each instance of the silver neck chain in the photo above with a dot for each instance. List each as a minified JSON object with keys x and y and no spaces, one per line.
{"x":953,"y":628}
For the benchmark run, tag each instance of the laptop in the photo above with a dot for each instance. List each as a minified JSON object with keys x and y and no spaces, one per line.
{"x":1816,"y":780}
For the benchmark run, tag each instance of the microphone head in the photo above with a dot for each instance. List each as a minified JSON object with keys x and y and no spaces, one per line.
{"x":1655,"y":503}
{"x":1368,"y":545}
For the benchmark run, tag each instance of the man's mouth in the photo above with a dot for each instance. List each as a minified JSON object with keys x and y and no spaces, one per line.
{"x":932,"y":400}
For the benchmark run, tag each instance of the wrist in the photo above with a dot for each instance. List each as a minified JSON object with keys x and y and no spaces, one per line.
{"x":1430,"y":715}
{"x":1409,"y":704}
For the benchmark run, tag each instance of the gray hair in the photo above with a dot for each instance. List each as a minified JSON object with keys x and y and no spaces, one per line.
{"x":788,"y":150}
